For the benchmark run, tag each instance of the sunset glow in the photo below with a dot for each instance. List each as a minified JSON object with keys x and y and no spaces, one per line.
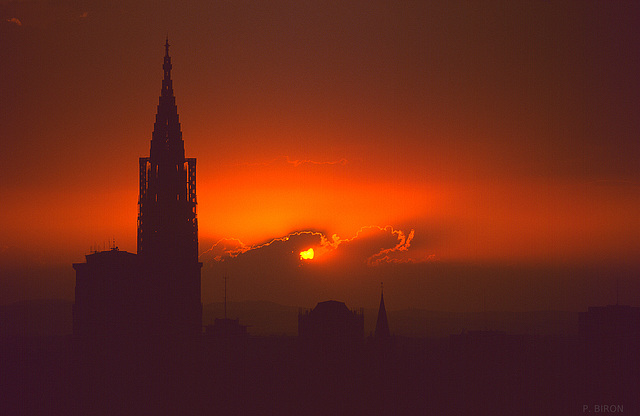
{"x":391,"y":138}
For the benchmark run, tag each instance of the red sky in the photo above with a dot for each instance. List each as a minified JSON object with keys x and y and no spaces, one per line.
{"x":502,"y":137}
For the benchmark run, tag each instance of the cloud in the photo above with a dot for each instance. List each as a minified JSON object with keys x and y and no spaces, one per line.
{"x":341,"y":267}
{"x":230,"y":248}
{"x":44,"y":13}
{"x":226,"y":247}
{"x":389,"y":254}
{"x":15,"y":20}
{"x":371,"y":246}
{"x":296,"y":162}
{"x":376,"y":245}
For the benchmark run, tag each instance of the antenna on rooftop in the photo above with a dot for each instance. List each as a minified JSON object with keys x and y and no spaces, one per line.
{"x":484,"y":308}
{"x":225,"y":295}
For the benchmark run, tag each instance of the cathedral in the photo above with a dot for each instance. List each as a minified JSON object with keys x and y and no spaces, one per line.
{"x":155,"y":292}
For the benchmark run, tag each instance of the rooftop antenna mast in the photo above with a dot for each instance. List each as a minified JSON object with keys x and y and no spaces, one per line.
{"x":225,"y":295}
{"x":484,"y":308}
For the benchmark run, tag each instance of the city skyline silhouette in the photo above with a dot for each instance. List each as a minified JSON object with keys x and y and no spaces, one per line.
{"x":480,"y":160}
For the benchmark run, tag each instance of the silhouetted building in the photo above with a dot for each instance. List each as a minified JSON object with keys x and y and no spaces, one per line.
{"x":609,"y":323}
{"x":159,"y":288}
{"x":611,"y":341}
{"x":108,"y":298}
{"x":331,"y":320}
{"x":167,"y":224}
{"x":382,"y":326}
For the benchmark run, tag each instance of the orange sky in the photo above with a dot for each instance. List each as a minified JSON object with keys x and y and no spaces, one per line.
{"x":498,"y":133}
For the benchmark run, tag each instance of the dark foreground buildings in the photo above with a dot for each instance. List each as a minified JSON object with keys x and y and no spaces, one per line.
{"x":611,"y":322}
{"x":155,"y":292}
{"x":331,"y":321}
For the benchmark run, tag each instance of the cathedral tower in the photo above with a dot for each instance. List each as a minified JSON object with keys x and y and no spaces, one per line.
{"x":167,"y":223}
{"x":156,"y":293}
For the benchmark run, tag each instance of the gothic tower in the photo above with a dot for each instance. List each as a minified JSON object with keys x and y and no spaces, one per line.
{"x":167,"y":224}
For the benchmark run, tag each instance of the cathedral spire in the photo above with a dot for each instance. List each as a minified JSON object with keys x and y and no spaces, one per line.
{"x":167,"y":87}
{"x":167,"y":223}
{"x":167,"y":126}
{"x":382,"y":326}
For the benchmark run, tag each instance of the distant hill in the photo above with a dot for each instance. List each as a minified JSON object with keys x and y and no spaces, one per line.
{"x":45,"y":317}
{"x":261,"y":317}
{"x":422,"y":323}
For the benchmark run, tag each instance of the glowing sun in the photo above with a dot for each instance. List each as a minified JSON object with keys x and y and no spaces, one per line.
{"x":307,"y":254}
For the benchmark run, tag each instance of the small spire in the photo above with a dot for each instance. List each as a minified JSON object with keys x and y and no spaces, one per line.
{"x":382,"y":325}
{"x":167,"y":89}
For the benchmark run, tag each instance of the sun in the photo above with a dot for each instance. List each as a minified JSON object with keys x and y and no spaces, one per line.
{"x":307,"y":254}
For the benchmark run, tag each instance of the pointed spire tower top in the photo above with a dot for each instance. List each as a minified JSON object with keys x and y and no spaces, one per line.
{"x":382,"y":326}
{"x":167,"y":87}
{"x":167,"y":137}
{"x":167,"y":223}
{"x":167,"y":205}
